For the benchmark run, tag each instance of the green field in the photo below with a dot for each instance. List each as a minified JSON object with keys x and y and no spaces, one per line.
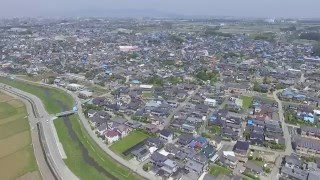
{"x":42,"y":93}
{"x":75,"y":159}
{"x":128,"y":142}
{"x":16,"y":153}
{"x":247,"y":101}
{"x":216,"y":170}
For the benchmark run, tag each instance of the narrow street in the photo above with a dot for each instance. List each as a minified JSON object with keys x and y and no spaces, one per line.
{"x":181,"y":105}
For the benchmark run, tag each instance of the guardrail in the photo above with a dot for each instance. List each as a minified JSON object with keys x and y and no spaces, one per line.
{"x":42,"y":139}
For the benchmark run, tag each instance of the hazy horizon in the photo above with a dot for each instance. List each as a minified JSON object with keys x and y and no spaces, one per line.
{"x":152,"y":8}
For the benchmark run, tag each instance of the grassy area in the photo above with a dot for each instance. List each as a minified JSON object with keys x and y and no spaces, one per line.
{"x":147,"y":95}
{"x":76,"y":161}
{"x":128,"y":142}
{"x":75,"y":155}
{"x":42,"y":93}
{"x":247,"y":101}
{"x":16,"y":152}
{"x":216,"y":170}
{"x":215,"y":129}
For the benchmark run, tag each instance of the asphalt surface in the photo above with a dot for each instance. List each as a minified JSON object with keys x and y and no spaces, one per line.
{"x":59,"y":165}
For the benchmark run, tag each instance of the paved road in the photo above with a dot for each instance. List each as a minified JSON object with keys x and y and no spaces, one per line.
{"x":275,"y":170}
{"x":63,"y":171}
{"x":181,"y":105}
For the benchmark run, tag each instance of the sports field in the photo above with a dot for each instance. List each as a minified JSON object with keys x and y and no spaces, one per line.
{"x":16,"y":153}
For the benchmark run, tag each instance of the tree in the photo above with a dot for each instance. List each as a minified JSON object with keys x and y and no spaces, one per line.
{"x":316,"y":49}
{"x":146,"y":167}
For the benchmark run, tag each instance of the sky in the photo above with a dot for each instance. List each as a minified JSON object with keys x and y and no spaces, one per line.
{"x":233,"y":8}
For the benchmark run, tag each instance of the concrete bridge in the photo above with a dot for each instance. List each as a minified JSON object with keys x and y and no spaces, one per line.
{"x":67,"y":113}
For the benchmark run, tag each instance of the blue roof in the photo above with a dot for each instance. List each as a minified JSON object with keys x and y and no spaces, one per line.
{"x":104,"y":66}
{"x":250,"y":122}
{"x":287,"y":92}
{"x":192,"y":143}
{"x":108,"y":72}
{"x":310,"y":119}
{"x":201,"y":139}
{"x":300,"y":96}
{"x":135,"y":81}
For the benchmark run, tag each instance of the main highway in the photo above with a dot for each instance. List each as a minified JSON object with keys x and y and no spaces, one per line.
{"x":61,"y":171}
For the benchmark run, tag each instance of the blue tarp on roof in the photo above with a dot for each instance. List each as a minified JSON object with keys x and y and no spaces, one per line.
{"x":108,"y":72}
{"x":135,"y":81}
{"x":287,"y":92}
{"x":309,"y":119}
{"x":250,"y":122}
{"x":299,"y":96}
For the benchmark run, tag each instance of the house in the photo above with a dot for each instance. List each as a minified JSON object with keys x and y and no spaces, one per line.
{"x":158,"y":159}
{"x":310,"y":132}
{"x":216,"y":142}
{"x":199,"y":142}
{"x":188,"y":128}
{"x":208,"y":151}
{"x":200,"y":158}
{"x":141,"y":154}
{"x":210,"y":102}
{"x":185,"y":139}
{"x":133,"y":124}
{"x":169,"y":166}
{"x":154,"y":142}
{"x":306,"y":145}
{"x":123,"y":130}
{"x":209,"y":177}
{"x":97,"y":120}
{"x":292,"y":161}
{"x":229,"y":159}
{"x":166,"y":135}
{"x":91,"y":113}
{"x":194,"y":166}
{"x":101,"y":129}
{"x":253,"y":167}
{"x":112,"y":136}
{"x":294,"y":173}
{"x":241,"y":148}
{"x":256,"y":138}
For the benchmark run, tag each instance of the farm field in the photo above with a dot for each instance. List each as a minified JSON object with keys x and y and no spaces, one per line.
{"x":16,"y":153}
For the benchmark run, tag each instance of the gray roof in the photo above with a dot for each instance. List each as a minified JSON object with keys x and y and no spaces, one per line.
{"x":293,"y":160}
{"x":294,"y":173}
{"x":195,"y":166}
{"x":307,"y":143}
{"x":209,"y":177}
{"x":170,"y":163}
{"x":253,"y":166}
{"x":310,"y":129}
{"x":141,"y":152}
